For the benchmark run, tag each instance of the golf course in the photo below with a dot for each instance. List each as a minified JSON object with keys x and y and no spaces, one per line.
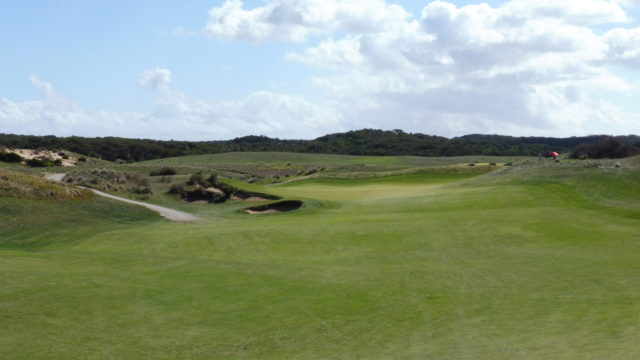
{"x":382,"y":257}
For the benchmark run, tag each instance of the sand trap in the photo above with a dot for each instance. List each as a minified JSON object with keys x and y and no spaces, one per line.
{"x":214,"y":190}
{"x":279,"y":207}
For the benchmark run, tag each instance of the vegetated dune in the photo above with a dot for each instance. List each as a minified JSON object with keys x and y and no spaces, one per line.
{"x":632,"y":162}
{"x":279,"y":207}
{"x":67,"y":158}
{"x":18,"y":185}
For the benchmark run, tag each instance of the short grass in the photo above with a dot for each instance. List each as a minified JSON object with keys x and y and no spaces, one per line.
{"x":520,"y":264}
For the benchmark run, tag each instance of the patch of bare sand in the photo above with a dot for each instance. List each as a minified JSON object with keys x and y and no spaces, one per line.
{"x":214,"y":190}
{"x":270,"y":211}
{"x":29,"y":154}
{"x":249,"y":199}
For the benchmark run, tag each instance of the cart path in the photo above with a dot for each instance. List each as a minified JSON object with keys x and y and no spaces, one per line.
{"x":173,"y":215}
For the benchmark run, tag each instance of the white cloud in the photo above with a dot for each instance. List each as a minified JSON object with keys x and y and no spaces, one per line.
{"x":526,"y":67}
{"x":574,"y":11}
{"x":296,"y":20}
{"x":156,"y":79}
{"x":624,"y":46}
{"x":44,"y":86}
{"x":175,"y":117}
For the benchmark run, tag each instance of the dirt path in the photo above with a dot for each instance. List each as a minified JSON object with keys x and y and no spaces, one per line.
{"x":173,"y":215}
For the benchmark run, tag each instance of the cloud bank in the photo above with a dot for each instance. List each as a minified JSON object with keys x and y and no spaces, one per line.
{"x":526,"y":67}
{"x":175,"y":116}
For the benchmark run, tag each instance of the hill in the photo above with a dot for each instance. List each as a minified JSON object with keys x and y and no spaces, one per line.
{"x":361,"y":142}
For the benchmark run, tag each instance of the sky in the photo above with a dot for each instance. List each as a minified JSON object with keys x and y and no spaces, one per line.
{"x":300,"y":69}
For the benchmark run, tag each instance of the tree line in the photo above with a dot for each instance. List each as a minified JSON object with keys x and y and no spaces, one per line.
{"x":359,"y":142}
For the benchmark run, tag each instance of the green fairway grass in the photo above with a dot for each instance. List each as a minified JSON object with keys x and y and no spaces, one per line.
{"x":269,"y":164}
{"x":521,"y":263}
{"x":282,"y":159}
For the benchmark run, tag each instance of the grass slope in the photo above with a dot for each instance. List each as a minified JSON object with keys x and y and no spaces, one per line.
{"x":24,"y":186}
{"x":280,"y":158}
{"x":526,"y":264}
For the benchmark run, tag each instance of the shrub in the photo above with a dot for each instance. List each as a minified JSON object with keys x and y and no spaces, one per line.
{"x":10,"y":157}
{"x":177,"y":189}
{"x":493,"y":164}
{"x":213,"y":179}
{"x":141,"y":189}
{"x":140,"y":186}
{"x":82,"y":159}
{"x":165,"y":171}
{"x":196,"y":179}
{"x":39,"y":163}
{"x":609,"y":147}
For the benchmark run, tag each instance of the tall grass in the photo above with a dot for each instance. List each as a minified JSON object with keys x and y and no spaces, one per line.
{"x":20,"y":185}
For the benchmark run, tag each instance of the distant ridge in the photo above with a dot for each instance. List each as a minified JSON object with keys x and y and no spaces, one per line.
{"x":359,"y":142}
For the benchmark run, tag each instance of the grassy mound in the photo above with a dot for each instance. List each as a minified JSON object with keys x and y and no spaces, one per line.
{"x":18,"y":185}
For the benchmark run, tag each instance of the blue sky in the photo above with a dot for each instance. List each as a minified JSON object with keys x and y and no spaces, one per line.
{"x":221,"y":69}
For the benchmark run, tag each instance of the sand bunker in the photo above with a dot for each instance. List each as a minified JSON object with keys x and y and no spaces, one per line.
{"x":279,"y":207}
{"x":214,"y":190}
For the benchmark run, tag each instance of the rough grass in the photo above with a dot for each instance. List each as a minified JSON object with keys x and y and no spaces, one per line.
{"x":527,"y":264}
{"x":272,"y":167}
{"x":24,"y":186}
{"x":318,"y":159}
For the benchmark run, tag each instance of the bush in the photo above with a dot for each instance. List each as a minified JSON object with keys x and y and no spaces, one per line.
{"x":82,"y":159}
{"x":140,"y":186}
{"x":609,"y":148}
{"x":39,"y":163}
{"x":213,"y":179}
{"x":10,"y":157}
{"x":165,"y":171}
{"x":196,"y":179}
{"x":177,"y":189}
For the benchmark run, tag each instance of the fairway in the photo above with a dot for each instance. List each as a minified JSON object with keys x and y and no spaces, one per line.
{"x":522,"y":263}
